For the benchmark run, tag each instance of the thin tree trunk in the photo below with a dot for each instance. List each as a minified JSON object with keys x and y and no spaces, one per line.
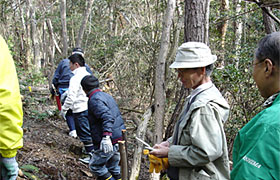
{"x":237,"y":31}
{"x":223,"y":30}
{"x":84,"y":23}
{"x":50,"y":29}
{"x":160,"y":72}
{"x":64,"y":27}
{"x":224,"y":10}
{"x":34,"y":37}
{"x":159,"y":78}
{"x":27,"y":36}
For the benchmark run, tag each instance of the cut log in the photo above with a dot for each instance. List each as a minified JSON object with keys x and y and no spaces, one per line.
{"x":124,"y":168}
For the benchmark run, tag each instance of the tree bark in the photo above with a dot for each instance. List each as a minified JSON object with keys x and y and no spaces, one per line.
{"x":268,"y":22}
{"x":34,"y":37}
{"x":160,"y":96}
{"x":64,"y":27}
{"x":197,"y":20}
{"x":160,"y":72}
{"x":238,"y":26}
{"x":84,"y":23}
{"x":223,"y":30}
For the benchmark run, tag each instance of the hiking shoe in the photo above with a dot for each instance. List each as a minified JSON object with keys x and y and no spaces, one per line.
{"x":85,"y":160}
{"x":73,"y":134}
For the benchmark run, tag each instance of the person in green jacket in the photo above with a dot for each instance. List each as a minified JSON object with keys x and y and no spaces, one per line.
{"x":256,"y":150}
{"x":11,"y":115}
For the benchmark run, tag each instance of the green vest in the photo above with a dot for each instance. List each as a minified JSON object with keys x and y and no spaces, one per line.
{"x":256,"y":150}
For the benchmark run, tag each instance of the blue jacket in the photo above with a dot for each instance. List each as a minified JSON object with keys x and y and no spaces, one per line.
{"x":63,"y":74}
{"x":104,"y":117}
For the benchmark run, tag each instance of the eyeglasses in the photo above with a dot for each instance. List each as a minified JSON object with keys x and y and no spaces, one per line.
{"x":180,"y":71}
{"x":254,"y":64}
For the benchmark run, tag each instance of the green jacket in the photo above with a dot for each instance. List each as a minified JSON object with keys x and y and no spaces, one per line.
{"x":256,"y":150}
{"x":201,"y":152}
{"x":10,"y":105}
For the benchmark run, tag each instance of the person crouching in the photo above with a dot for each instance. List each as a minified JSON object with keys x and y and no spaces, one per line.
{"x":106,"y":125}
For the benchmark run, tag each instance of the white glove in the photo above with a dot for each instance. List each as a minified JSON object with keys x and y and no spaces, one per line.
{"x":106,"y":144}
{"x":63,"y":114}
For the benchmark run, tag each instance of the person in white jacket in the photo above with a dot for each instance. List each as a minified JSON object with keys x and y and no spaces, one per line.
{"x":77,"y":101}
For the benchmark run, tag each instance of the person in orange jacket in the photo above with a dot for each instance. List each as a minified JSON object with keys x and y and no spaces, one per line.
{"x":11,"y":115}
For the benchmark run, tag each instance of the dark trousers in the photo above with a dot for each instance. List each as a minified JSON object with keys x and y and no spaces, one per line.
{"x":70,"y":120}
{"x":83,"y":130}
{"x":105,"y":164}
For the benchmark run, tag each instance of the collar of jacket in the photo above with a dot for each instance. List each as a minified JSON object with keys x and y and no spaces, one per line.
{"x":270,"y":100}
{"x":82,"y":68}
{"x":91,"y":92}
{"x":199,"y":89}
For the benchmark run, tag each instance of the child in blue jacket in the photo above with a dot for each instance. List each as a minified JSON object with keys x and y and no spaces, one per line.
{"x":106,"y":126}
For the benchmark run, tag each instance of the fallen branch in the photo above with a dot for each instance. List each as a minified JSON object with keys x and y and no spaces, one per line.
{"x":141,"y":132}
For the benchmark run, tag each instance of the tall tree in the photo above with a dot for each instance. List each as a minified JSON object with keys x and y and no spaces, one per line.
{"x":160,"y":72}
{"x":34,"y":37}
{"x":84,"y":23}
{"x":64,"y":27}
{"x":197,"y":20}
{"x":224,"y":25}
{"x":237,"y":27}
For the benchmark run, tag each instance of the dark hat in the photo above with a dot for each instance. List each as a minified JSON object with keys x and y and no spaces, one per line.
{"x":89,"y":82}
{"x":78,"y":50}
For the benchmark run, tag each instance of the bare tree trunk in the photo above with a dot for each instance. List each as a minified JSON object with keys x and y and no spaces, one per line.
{"x":34,"y":37}
{"x":50,"y":29}
{"x":64,"y":27}
{"x":223,"y":30}
{"x":268,"y":22}
{"x":159,"y":78}
{"x":196,"y":20}
{"x":160,"y":72}
{"x":84,"y":23}
{"x":27,"y":35}
{"x":237,"y":31}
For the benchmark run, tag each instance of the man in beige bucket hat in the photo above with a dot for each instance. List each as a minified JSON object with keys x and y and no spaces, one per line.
{"x":198,"y":147}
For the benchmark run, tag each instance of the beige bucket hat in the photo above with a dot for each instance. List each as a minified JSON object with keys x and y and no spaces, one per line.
{"x":192,"y":55}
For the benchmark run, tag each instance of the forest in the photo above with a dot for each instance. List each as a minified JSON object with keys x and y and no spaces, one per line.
{"x":129,"y":46}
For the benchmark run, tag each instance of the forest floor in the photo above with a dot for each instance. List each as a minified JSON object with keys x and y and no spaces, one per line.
{"x":48,"y":151}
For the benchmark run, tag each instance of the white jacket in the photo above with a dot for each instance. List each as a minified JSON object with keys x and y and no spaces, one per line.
{"x":76,"y":98}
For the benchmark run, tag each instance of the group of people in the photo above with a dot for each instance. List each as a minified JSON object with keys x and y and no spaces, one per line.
{"x":91,"y":114}
{"x":198,"y":146}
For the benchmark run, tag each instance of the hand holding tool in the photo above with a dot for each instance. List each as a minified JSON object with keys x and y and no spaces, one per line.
{"x":147,"y":146}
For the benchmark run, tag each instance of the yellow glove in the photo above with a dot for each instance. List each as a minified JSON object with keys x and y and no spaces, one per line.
{"x":156,"y":163}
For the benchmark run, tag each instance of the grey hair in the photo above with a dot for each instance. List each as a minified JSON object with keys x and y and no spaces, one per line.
{"x":269,"y":48}
{"x":209,"y":69}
